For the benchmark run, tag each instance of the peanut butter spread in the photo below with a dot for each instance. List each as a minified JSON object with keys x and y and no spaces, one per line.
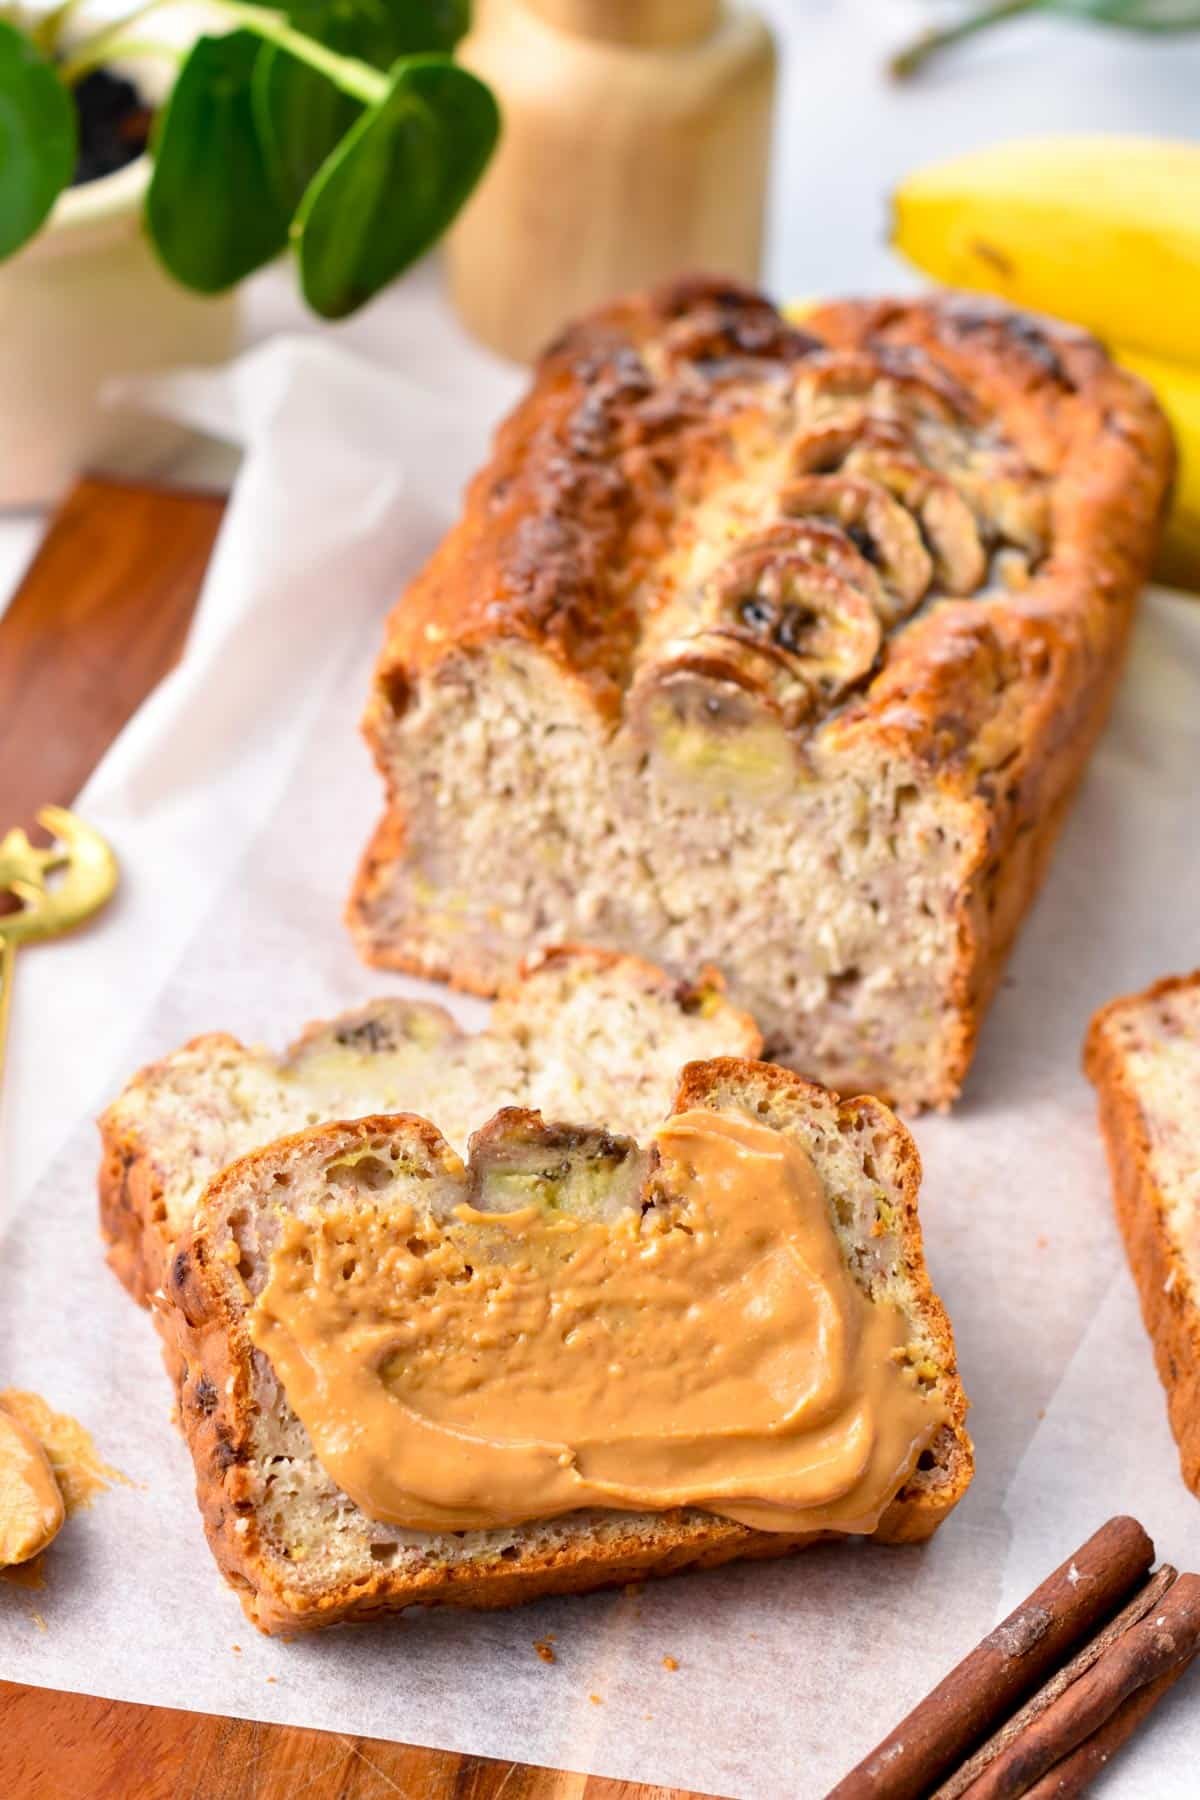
{"x":707,"y":1348}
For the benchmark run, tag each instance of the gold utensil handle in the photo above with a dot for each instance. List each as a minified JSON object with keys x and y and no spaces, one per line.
{"x":58,"y":888}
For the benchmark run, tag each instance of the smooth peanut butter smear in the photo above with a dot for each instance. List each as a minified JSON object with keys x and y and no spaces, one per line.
{"x":709,"y":1349}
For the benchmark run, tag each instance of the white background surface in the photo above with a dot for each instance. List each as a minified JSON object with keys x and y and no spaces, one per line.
{"x":239,"y":800}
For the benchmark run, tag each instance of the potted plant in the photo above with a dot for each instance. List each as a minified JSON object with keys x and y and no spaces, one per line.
{"x":139,"y":185}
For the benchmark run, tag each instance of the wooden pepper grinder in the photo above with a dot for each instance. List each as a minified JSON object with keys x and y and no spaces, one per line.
{"x":634,"y":147}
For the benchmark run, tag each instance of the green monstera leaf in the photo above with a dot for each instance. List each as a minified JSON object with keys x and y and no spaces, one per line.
{"x":37,"y":138}
{"x":393,"y":185}
{"x":212,"y":207}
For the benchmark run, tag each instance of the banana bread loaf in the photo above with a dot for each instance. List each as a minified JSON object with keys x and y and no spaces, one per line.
{"x":777,"y":648}
{"x":1143,"y":1054}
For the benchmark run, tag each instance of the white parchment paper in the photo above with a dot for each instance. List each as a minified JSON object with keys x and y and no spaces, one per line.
{"x":238,"y":800}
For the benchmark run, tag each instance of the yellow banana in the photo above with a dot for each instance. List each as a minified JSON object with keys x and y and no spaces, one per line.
{"x":1101,"y":230}
{"x":1178,"y":389}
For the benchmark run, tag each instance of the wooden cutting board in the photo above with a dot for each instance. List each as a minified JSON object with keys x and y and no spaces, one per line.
{"x":98,"y":621}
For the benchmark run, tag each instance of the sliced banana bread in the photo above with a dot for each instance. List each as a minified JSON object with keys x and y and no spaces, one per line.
{"x":579,"y":1034}
{"x":773,"y":647}
{"x":344,"y":1201}
{"x":1143,"y":1054}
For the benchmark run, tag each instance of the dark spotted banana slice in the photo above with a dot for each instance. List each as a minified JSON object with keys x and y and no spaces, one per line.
{"x":946,"y":522}
{"x":877,"y":525}
{"x":823,"y":630}
{"x":1013,"y":506}
{"x":826,"y":545}
{"x":1008,"y":497}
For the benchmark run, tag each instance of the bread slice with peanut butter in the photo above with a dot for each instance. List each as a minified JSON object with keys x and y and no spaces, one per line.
{"x":571,"y":1360}
{"x":580,"y":1033}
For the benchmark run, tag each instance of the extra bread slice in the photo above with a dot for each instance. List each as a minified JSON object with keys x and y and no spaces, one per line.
{"x":579,"y":1034}
{"x":295,"y":1547}
{"x":1143,"y":1054}
{"x":778,"y":648}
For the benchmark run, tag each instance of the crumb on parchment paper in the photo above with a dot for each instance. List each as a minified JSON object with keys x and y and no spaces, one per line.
{"x":545,"y":1650}
{"x":670,"y":1662}
{"x":596,"y":1699}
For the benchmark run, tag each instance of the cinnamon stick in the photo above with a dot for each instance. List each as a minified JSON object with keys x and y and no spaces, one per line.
{"x":1137,"y":1608}
{"x":1164,"y":1641}
{"x":1005,"y":1668}
{"x":1075,"y":1773}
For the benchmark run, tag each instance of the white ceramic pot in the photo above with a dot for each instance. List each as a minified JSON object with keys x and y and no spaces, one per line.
{"x":85,"y":300}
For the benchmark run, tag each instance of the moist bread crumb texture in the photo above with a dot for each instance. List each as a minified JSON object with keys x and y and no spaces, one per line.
{"x":578,"y":1034}
{"x":777,"y":648}
{"x":1143,"y":1054}
{"x":301,"y":1554}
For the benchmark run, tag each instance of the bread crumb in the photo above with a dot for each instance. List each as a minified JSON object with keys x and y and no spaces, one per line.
{"x":669,"y":1662}
{"x":545,"y":1650}
{"x":596,"y":1699}
{"x":272,"y":1678}
{"x":237,"y":1649}
{"x":1042,"y":1242}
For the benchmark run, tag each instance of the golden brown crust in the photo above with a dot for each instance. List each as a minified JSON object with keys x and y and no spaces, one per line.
{"x":210,"y":1356}
{"x":1169,"y":1302}
{"x":995,"y":699}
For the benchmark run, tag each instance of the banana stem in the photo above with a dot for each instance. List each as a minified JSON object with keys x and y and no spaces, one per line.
{"x":909,"y":61}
